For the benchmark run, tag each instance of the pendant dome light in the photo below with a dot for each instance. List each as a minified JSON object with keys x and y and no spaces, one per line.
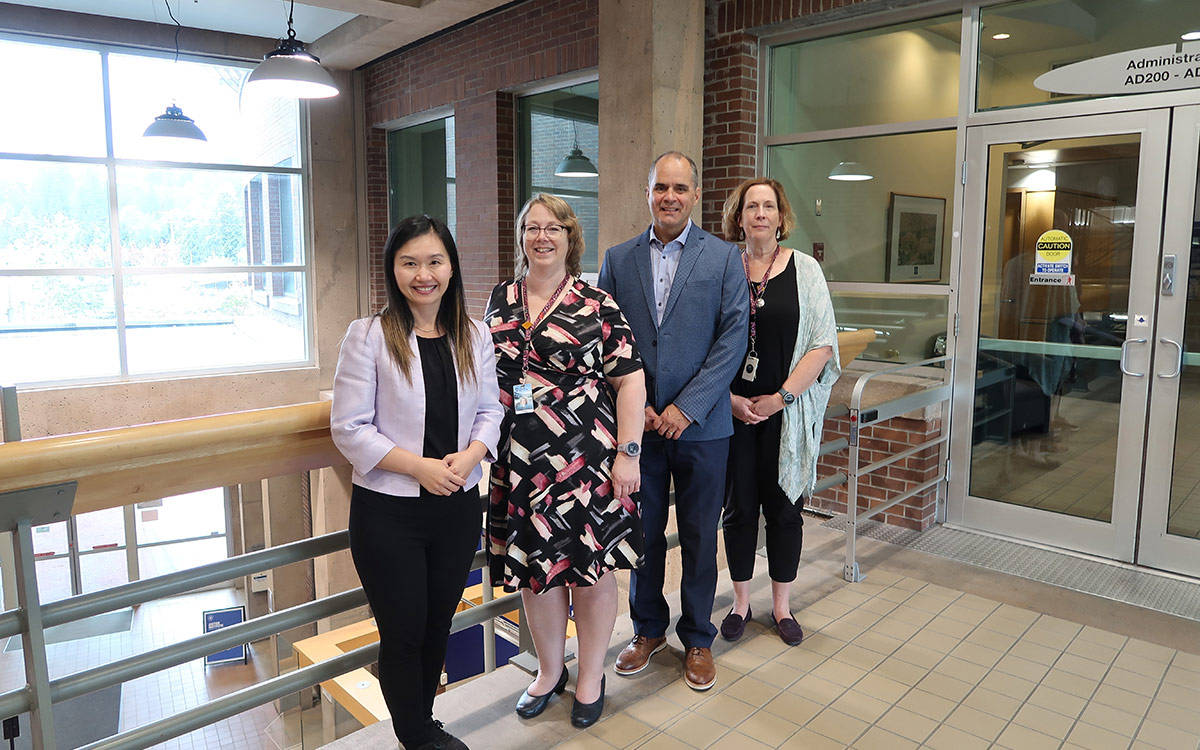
{"x":575,"y":164}
{"x":173,"y":123}
{"x":290,"y":70}
{"x":850,"y":171}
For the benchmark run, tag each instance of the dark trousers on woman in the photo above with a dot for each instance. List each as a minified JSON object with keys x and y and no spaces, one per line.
{"x":413,"y":555}
{"x":751,"y":487}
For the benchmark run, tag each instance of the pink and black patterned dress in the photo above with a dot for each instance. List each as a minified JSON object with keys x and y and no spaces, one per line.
{"x":552,"y":517}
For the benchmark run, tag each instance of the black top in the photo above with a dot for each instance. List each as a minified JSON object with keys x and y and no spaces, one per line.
{"x":441,"y":400}
{"x":776,"y":324}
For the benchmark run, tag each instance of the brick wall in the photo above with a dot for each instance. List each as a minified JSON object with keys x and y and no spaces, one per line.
{"x":878,"y":442}
{"x":469,"y":69}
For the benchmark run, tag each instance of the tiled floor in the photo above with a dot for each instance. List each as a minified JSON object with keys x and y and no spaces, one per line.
{"x":896,"y":663}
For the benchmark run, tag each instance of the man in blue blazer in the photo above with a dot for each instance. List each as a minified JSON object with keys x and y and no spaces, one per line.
{"x":683,"y":292}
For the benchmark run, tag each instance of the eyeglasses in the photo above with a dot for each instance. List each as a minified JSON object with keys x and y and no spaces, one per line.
{"x":554,"y":231}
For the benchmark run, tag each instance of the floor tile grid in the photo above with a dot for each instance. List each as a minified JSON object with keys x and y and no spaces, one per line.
{"x":863,"y":707}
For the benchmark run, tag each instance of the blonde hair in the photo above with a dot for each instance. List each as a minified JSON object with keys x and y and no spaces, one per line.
{"x":565,"y":215}
{"x":731,"y":223}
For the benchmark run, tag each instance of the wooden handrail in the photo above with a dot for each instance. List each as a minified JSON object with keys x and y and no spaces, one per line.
{"x":853,"y":343}
{"x":128,"y":465}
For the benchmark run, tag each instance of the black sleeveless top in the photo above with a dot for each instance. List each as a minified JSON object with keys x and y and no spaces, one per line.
{"x":776,"y":325}
{"x":441,"y":401}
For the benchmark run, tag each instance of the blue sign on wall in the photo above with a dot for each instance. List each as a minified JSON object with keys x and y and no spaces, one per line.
{"x":215,"y":619}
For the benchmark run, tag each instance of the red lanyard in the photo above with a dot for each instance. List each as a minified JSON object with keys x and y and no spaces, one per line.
{"x":528,"y":325}
{"x":756,"y":290}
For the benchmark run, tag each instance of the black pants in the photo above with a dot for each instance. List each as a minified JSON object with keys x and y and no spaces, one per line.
{"x":413,"y":556}
{"x":751,"y":486}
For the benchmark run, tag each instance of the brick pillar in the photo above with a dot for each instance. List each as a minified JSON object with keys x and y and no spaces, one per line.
{"x":484,"y":164}
{"x":730,"y":111}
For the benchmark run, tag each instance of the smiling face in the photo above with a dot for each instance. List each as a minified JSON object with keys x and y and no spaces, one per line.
{"x":423,"y":271}
{"x":543,"y":253}
{"x":760,"y":216}
{"x":671,"y":194}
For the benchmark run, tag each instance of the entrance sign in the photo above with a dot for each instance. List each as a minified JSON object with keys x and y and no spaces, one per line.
{"x":215,"y":619}
{"x":1167,"y":67}
{"x":1053,"y":253}
{"x":1052,"y":279}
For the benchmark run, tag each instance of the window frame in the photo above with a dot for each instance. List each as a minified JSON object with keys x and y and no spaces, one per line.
{"x":117,"y":272}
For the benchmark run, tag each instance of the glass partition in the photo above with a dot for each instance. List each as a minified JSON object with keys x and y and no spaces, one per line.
{"x":1020,"y":41}
{"x":908,"y":328}
{"x":892,"y":226}
{"x":841,"y":82}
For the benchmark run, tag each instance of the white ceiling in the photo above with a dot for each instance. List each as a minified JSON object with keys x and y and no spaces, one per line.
{"x":265,"y":18}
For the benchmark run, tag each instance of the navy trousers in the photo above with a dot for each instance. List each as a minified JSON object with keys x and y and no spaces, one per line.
{"x":698,"y":468}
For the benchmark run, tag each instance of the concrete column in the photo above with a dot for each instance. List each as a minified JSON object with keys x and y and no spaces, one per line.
{"x":651,"y":101}
{"x":249,"y":499}
{"x":284,"y":520}
{"x":333,"y":574}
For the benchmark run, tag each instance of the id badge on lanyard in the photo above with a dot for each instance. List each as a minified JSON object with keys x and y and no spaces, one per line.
{"x":522,"y":392}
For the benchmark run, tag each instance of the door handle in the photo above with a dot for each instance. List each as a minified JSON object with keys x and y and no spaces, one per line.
{"x":1124,"y":351}
{"x":1178,"y":358}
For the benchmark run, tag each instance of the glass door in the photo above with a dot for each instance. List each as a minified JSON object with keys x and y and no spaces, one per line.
{"x":1061,"y":238}
{"x":1170,"y":522}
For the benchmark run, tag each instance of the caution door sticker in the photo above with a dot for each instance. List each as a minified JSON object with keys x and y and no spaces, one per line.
{"x":1053,"y":253}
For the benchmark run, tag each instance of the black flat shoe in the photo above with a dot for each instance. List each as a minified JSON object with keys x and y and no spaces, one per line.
{"x":583,"y":715}
{"x":529,"y":706}
{"x":734,"y":625}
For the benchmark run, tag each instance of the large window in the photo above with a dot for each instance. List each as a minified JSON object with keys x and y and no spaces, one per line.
{"x":866,"y":153}
{"x":421,"y":176}
{"x":551,"y":125}
{"x":122,"y":257}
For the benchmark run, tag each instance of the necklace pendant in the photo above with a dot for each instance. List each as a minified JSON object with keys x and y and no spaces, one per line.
{"x":527,"y":325}
{"x":760,"y":302}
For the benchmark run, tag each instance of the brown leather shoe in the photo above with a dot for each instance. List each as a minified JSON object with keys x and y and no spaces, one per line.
{"x":698,"y":668}
{"x":636,"y":656}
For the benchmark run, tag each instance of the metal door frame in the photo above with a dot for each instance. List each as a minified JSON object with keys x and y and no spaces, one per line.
{"x":1157,"y":548}
{"x":1116,"y":540}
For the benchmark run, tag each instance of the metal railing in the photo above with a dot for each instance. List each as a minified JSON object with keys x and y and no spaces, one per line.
{"x":105,"y":459}
{"x":861,"y":419}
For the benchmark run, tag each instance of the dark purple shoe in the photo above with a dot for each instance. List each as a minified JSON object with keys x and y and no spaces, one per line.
{"x":789,"y":630}
{"x":734,"y":625}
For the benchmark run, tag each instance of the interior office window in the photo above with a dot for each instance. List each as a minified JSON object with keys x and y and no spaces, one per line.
{"x":421,"y":176}
{"x":550,"y":126}
{"x":1020,"y":41}
{"x":895,"y":74}
{"x":138,"y":257}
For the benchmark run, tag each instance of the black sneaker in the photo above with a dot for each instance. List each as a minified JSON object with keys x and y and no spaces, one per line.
{"x":442,"y":740}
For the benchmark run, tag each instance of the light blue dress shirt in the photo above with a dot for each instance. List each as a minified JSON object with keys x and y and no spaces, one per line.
{"x":664,"y":261}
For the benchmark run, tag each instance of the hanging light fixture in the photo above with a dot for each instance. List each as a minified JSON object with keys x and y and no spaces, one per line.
{"x":173,"y":123}
{"x":290,"y":70}
{"x":850,"y":171}
{"x":575,"y":164}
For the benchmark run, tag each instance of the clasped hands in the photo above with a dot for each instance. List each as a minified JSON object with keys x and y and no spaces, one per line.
{"x":446,"y":475}
{"x":670,"y":424}
{"x":756,"y":409}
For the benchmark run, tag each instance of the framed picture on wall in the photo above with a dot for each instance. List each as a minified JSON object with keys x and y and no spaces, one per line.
{"x":914,"y":248}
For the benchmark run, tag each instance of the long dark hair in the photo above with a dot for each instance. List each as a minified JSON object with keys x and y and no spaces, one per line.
{"x":397,"y":319}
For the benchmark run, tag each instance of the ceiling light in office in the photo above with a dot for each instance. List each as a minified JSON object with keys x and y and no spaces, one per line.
{"x":1001,"y":36}
{"x":291,"y":71}
{"x":575,"y":164}
{"x":1191,"y":36}
{"x":850,"y":171}
{"x":173,"y":123}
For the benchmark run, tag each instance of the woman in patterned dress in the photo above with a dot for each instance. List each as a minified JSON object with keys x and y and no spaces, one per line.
{"x":778,"y":408}
{"x":562,"y":517}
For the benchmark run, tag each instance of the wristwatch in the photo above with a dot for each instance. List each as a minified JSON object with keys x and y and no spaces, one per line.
{"x":788,"y":398}
{"x":631,"y":449}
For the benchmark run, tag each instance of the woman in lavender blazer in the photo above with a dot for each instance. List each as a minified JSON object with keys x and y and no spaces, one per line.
{"x":415,"y":410}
